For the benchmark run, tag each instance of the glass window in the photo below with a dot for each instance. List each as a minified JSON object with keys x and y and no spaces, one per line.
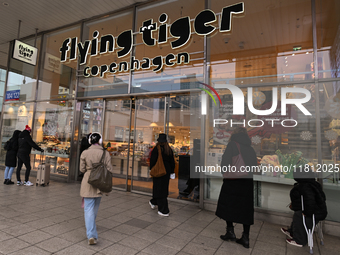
{"x":283,"y":141}
{"x":16,"y":117}
{"x":22,"y":76}
{"x":328,"y":38}
{"x":330,"y":146}
{"x":154,"y":73}
{"x":57,"y":79}
{"x":109,"y":83}
{"x":266,"y":43}
{"x":52,"y":132}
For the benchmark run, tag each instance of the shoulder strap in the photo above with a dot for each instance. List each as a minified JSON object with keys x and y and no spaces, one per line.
{"x":102,"y":159}
{"x":238,"y":147}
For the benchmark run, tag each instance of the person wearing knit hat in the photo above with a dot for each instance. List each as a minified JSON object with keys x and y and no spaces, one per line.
{"x":25,"y":146}
{"x":28,"y":128}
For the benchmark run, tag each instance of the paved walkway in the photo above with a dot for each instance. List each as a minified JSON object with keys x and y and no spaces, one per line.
{"x":49,"y":220}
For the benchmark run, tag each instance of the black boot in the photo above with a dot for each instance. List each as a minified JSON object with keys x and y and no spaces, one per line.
{"x":5,"y":181}
{"x":244,"y":240}
{"x":230,"y":235}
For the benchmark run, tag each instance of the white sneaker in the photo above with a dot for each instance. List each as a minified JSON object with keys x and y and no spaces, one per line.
{"x":92,"y":241}
{"x":152,"y":205}
{"x":28,"y":183}
{"x":20,"y":183}
{"x":163,"y":214}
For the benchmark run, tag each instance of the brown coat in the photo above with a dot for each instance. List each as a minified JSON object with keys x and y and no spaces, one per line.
{"x":92,"y":154}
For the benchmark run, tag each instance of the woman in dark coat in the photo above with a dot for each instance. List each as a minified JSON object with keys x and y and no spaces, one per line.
{"x":160,"y":188}
{"x":236,"y":200}
{"x":11,"y":147}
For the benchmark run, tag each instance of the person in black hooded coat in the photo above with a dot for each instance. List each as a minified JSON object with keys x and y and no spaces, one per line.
{"x":314,"y":201}
{"x":11,"y":156}
{"x":25,"y":146}
{"x":236,"y":200}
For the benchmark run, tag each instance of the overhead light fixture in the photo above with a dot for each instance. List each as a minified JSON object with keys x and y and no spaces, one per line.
{"x":153,"y":124}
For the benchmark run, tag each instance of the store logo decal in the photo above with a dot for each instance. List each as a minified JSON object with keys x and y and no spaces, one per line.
{"x":238,"y":104}
{"x":208,"y":92}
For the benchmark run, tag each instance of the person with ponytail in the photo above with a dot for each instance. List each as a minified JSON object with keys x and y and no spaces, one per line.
{"x":91,"y":195}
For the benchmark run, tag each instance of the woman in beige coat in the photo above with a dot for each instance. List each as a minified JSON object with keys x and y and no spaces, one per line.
{"x":91,"y":195}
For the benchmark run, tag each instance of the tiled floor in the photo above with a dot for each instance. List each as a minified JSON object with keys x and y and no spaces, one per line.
{"x":49,"y":220}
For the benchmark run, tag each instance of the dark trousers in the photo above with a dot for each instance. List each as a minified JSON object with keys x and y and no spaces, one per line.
{"x":162,"y":204}
{"x":298,"y":230}
{"x":24,"y":159}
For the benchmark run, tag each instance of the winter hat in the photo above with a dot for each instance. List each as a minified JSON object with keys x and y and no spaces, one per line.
{"x":28,"y":128}
{"x":162,"y":138}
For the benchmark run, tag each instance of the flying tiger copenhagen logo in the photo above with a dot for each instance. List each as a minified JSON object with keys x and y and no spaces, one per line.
{"x":209,"y":93}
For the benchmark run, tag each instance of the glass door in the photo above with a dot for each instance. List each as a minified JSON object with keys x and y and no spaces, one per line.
{"x":179,"y":117}
{"x":149,"y":123}
{"x":118,"y":140}
{"x":183,"y":129}
{"x":91,"y":120}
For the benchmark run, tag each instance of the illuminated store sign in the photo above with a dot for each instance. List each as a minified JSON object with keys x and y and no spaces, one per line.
{"x":179,"y":29}
{"x":25,"y":53}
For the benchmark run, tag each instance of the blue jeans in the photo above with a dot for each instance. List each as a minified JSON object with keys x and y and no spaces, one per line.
{"x":8,"y":172}
{"x":91,"y":206}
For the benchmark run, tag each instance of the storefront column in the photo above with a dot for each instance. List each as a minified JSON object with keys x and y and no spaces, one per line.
{"x":317,"y":96}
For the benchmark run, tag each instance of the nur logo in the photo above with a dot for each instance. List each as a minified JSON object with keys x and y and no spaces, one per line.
{"x":209,"y":93}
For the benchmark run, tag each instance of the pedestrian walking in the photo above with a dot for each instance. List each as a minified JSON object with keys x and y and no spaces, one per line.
{"x":314,"y":203}
{"x":90,"y":194}
{"x":160,"y":189}
{"x":236,"y":200}
{"x":25,"y":146}
{"x":84,"y":145}
{"x":11,"y":147}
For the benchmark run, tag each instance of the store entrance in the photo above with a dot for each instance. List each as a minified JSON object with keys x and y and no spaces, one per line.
{"x":130,"y":128}
{"x":173,"y":115}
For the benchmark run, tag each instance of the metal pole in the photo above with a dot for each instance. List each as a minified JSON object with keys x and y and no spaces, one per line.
{"x":19,"y":29}
{"x":317,"y":96}
{"x":203,"y":117}
{"x":128,"y":155}
{"x":35,"y":39}
{"x":134,"y":25}
{"x":134,"y":143}
{"x":165,"y":113}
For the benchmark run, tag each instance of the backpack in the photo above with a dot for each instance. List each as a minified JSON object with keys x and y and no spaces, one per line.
{"x":99,"y":177}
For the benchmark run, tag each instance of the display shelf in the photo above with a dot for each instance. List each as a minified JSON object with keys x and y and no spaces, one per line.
{"x":50,"y":154}
{"x":278,"y":180}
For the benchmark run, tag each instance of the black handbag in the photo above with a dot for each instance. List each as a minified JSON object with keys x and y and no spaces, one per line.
{"x":99,"y":177}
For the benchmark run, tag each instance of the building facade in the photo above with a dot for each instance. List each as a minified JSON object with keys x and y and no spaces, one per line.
{"x":194,"y":70}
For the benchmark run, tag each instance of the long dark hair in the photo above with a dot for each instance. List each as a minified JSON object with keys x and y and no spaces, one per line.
{"x":16,"y":134}
{"x":166,"y":146}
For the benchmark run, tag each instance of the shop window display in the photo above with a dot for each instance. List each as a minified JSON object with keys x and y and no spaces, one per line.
{"x":52,"y":132}
{"x":16,"y":117}
{"x":282,"y":146}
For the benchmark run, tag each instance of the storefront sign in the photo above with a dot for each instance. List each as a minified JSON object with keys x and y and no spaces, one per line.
{"x":12,"y":95}
{"x":25,"y":53}
{"x":179,"y":29}
{"x":52,"y":63}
